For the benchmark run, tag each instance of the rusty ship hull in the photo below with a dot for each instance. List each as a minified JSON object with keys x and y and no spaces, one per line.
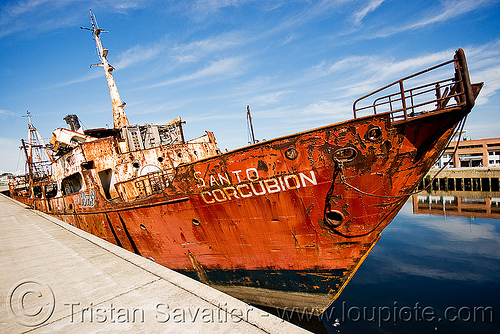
{"x":282,"y":223}
{"x":259,"y":225}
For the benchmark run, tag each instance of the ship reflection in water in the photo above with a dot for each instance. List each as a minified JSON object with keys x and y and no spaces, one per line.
{"x":435,"y":269}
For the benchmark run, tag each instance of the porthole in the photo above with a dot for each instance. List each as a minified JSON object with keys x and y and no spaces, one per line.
{"x":334,"y":218}
{"x":143,"y":227}
{"x":374,"y":133}
{"x":195,"y":222}
{"x":160,"y":159}
{"x":345,"y":154}
{"x":136,"y":164}
{"x":291,"y":153}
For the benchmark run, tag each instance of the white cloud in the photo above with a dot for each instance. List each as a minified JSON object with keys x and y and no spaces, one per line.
{"x":357,"y":75}
{"x":36,"y":16}
{"x":491,"y":79}
{"x":370,"y":7}
{"x":392,"y":69}
{"x":137,"y":54}
{"x":13,"y":10}
{"x":131,"y":56}
{"x":449,"y":9}
{"x":345,"y":64}
{"x":229,"y":67}
{"x":197,"y":50}
{"x":482,"y":129}
{"x":201,"y":9}
{"x":329,"y":108}
{"x":483,"y":66}
{"x":6,"y":112}
{"x":271,"y":97}
{"x":95,"y":74}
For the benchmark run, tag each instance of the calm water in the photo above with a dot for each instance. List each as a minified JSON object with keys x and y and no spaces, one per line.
{"x":427,"y":274}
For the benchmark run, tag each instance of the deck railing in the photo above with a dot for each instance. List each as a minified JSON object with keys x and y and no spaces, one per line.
{"x":403,"y":102}
{"x":144,"y":186}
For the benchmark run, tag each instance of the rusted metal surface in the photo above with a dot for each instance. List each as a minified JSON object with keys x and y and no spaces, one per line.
{"x":296,"y":214}
{"x":119,"y":118}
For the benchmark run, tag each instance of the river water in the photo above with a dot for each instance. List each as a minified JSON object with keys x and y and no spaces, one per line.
{"x":431,"y":272}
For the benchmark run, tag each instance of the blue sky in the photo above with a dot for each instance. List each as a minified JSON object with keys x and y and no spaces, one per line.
{"x":298,"y":64}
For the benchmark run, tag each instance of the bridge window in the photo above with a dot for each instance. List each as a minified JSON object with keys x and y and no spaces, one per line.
{"x":72,"y":184}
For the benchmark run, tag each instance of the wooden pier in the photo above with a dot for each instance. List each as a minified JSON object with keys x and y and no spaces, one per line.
{"x":468,"y":180}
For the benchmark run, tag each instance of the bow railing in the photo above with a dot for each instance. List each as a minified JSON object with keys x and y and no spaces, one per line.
{"x":415,"y":95}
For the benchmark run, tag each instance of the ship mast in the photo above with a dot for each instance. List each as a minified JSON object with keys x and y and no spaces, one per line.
{"x":120,"y":119}
{"x":38,"y":167}
{"x":251,"y":135}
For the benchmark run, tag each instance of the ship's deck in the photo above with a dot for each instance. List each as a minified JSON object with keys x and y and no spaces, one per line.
{"x":56,"y":277}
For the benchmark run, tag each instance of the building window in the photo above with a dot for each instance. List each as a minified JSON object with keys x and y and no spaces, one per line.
{"x":443,"y":160}
{"x":494,"y":158}
{"x":51,"y":190}
{"x":470,"y":146}
{"x":471,"y":160}
{"x":447,"y":157}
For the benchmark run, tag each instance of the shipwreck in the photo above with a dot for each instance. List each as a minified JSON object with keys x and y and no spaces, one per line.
{"x":284,"y":222}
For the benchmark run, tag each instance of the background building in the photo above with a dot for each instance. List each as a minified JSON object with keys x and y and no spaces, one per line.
{"x":472,"y":153}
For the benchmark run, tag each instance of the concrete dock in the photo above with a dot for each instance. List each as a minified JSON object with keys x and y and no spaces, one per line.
{"x":55,"y":277}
